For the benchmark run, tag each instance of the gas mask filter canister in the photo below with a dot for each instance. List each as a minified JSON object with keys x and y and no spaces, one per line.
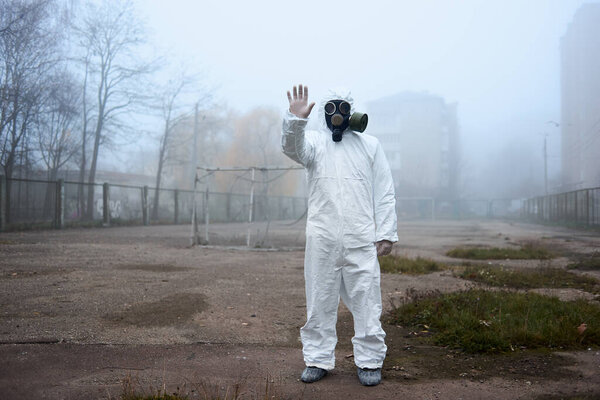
{"x":338,"y":119}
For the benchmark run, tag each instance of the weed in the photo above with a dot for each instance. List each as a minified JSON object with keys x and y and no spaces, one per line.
{"x":520,"y":278}
{"x":528,"y":251}
{"x":414,"y":266}
{"x":499,"y":321}
{"x":131,"y":392}
{"x":588,"y":263}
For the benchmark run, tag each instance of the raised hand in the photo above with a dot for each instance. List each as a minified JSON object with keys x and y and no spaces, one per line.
{"x":299,"y":102}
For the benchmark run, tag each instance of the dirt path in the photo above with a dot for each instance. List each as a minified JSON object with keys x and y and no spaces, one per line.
{"x":80,"y":309}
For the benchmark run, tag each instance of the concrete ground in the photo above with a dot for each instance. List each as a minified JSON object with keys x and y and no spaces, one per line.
{"x":84,"y":310}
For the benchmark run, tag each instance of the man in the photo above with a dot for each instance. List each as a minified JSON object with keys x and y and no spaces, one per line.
{"x":351,"y":220}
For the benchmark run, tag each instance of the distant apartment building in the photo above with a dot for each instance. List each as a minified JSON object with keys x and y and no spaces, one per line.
{"x":580,"y":100}
{"x":419,"y":134}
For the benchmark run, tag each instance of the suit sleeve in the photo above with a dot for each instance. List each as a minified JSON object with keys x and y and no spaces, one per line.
{"x":295,"y":143}
{"x":384,"y":199}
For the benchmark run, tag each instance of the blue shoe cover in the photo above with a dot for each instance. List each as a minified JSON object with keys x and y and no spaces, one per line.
{"x":312,"y":374}
{"x":369,"y":377}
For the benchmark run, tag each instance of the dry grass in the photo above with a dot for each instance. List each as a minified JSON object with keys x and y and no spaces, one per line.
{"x":529,"y":251}
{"x":521,"y":278}
{"x":394,"y":264}
{"x":587,"y":263}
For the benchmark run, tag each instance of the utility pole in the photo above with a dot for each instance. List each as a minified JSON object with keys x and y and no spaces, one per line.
{"x":546,"y":163}
{"x":195,"y":149}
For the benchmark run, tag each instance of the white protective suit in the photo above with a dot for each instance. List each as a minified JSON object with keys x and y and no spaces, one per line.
{"x":351,"y":205}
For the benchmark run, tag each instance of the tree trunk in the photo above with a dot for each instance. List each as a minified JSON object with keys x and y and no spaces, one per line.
{"x":92,"y":176}
{"x":50,"y":193}
{"x":157,"y":191}
{"x":161,"y":160}
{"x":80,"y":192}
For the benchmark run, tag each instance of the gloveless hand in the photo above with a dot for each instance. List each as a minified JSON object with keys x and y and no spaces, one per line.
{"x":299,"y":102}
{"x":384,"y":247}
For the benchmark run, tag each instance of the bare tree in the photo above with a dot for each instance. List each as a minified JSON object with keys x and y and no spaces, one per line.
{"x":84,"y":137}
{"x":56,"y":124}
{"x":10,"y":20}
{"x":110,"y":33}
{"x":215,"y":131}
{"x":256,"y":143}
{"x":28,"y":53}
{"x":171,"y":114}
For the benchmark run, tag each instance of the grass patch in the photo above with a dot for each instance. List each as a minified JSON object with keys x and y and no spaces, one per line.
{"x":393,"y":264}
{"x":528,"y":251}
{"x":529,"y":278}
{"x":479,"y":321}
{"x":587,"y":263}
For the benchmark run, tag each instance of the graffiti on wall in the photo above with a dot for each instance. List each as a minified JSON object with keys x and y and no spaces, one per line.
{"x":114,"y":207}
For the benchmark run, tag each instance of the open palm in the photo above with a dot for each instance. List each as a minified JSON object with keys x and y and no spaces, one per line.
{"x":299,"y":102}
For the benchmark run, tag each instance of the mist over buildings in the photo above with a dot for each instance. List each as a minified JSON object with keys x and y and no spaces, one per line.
{"x":496,"y":66}
{"x":473,"y":99}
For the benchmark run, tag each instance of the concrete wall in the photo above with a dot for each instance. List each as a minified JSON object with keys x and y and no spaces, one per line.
{"x":580,"y":102}
{"x":419,"y":133}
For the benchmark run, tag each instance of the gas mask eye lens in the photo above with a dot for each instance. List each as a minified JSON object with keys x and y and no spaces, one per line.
{"x":344,"y":107}
{"x":329,"y":108}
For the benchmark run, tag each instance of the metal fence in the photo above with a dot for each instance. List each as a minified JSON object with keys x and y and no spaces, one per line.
{"x":415,"y":208}
{"x":30,"y":203}
{"x":37,"y":203}
{"x":579,"y":207}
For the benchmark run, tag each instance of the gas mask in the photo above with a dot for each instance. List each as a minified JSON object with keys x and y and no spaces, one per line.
{"x":338,"y":119}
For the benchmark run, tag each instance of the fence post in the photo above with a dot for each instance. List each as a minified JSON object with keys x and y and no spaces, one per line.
{"x":105,"y":204}
{"x":576,"y":207}
{"x":2,"y":203}
{"x":587,"y":207}
{"x":59,"y":207}
{"x":251,"y":208}
{"x":595,"y":191}
{"x":145,"y":214}
{"x":176,"y":199}
{"x":206,"y":215}
{"x":228,"y":207}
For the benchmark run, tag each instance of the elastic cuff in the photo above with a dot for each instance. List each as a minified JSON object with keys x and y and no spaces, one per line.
{"x":392,"y":239}
{"x":370,"y":365}
{"x":327,"y":367}
{"x":289,"y":115}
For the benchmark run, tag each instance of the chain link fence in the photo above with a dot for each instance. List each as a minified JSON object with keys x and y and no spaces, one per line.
{"x":428,"y":208}
{"x":578,"y":207}
{"x":30,"y":203}
{"x":27,"y":203}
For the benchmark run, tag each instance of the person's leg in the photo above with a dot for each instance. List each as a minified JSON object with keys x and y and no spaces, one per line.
{"x":322,"y":280}
{"x":360,"y":290}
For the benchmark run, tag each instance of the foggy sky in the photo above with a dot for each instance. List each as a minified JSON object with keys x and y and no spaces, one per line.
{"x":498,"y":60}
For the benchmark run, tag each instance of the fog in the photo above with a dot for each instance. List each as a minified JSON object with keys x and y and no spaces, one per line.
{"x":493,"y":67}
{"x":498,"y":60}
